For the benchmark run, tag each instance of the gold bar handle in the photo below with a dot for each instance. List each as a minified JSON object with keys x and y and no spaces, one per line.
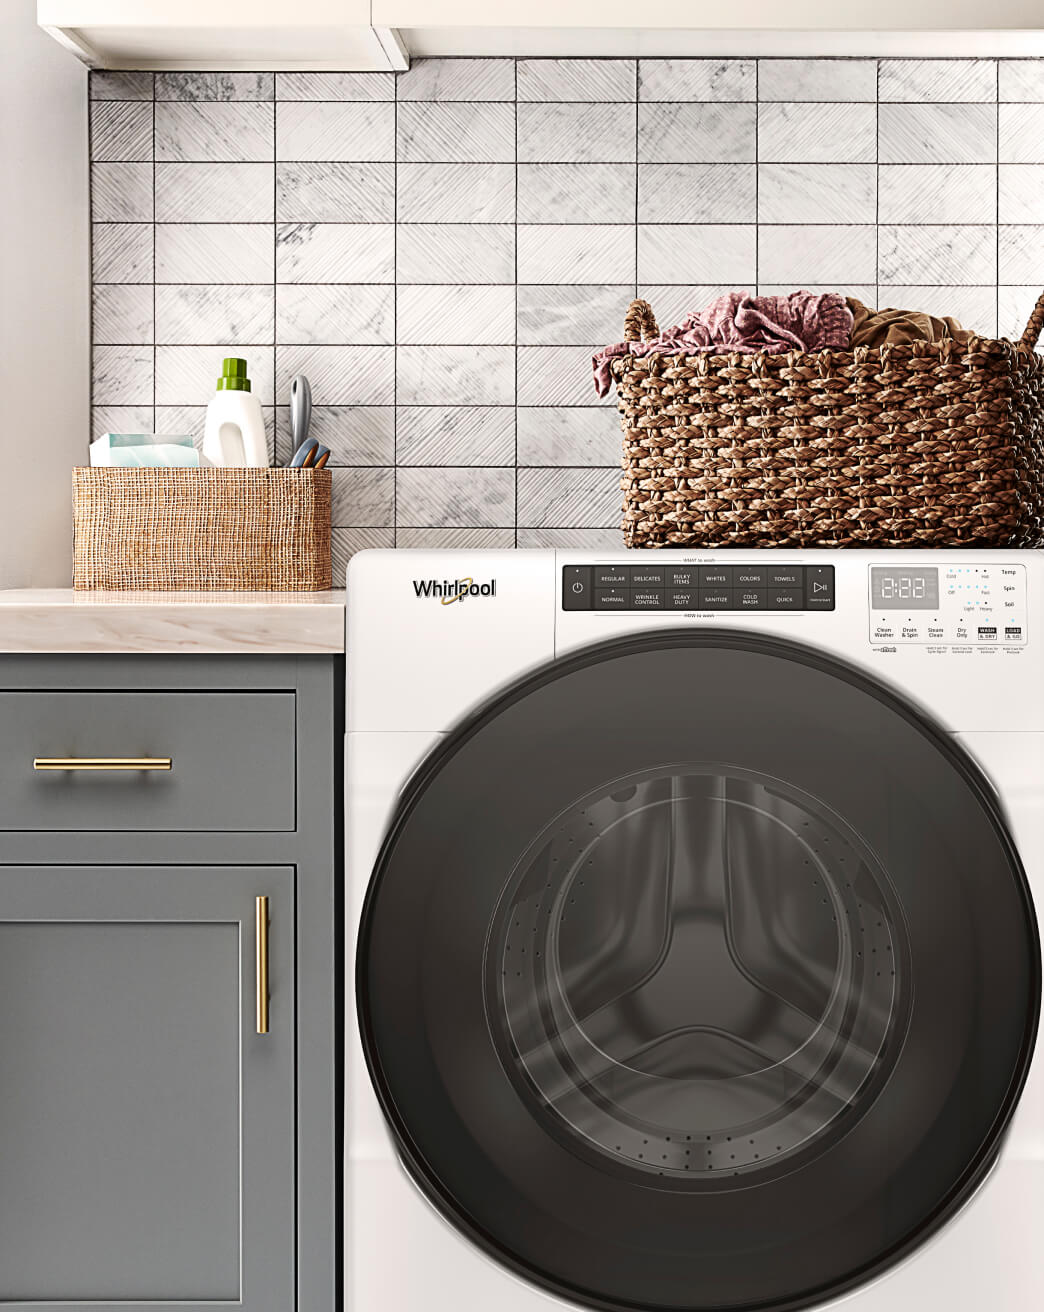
{"x":261,"y":940}
{"x":103,"y":763}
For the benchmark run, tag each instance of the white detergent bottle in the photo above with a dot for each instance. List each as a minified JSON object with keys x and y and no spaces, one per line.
{"x":234,"y":435}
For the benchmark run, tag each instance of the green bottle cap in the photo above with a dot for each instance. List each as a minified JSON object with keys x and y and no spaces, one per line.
{"x":233,"y":375}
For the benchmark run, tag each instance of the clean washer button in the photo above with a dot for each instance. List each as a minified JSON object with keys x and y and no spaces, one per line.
{"x":612,"y":598}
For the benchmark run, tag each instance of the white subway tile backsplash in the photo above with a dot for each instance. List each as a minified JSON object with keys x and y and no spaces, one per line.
{"x":453,"y":315}
{"x":924,"y":254}
{"x":122,"y":314}
{"x":937,"y":134}
{"x":455,"y":133}
{"x":938,"y":79}
{"x":214,"y":252}
{"x":697,"y":193}
{"x":698,"y":253}
{"x":1021,"y":134}
{"x":339,"y":375}
{"x":243,"y":314}
{"x":817,"y":193}
{"x":215,"y":86}
{"x":343,"y":130}
{"x":455,"y":252}
{"x":362,"y":314}
{"x":121,"y":130}
{"x":576,"y":193}
{"x":697,"y":79}
{"x":696,"y":133}
{"x":817,"y":79}
{"x":441,"y":250}
{"x":455,"y":498}
{"x":201,"y":132}
{"x":1021,"y":194}
{"x":455,"y":375}
{"x":121,"y":192}
{"x":456,"y":193}
{"x":937,"y":193}
{"x":121,"y":252}
{"x":457,"y":79}
{"x":335,"y":252}
{"x":577,"y":79}
{"x":579,"y":314}
{"x":575,"y":252}
{"x":214,"y":193}
{"x":821,"y":253}
{"x":334,"y":86}
{"x":335,"y":191}
{"x":455,"y":435}
{"x":817,"y":133}
{"x":575,"y":133}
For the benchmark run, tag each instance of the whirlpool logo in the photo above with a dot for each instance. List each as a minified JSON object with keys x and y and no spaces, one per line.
{"x":450,"y":590}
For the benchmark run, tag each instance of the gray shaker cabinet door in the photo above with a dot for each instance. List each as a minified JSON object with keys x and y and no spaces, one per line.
{"x":146,"y":1127}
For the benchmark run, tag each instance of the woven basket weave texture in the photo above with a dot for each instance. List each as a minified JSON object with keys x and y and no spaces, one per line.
{"x":202,"y":529}
{"x":929,"y":444}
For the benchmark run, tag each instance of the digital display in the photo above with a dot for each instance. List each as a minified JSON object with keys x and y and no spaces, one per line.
{"x":904,"y":588}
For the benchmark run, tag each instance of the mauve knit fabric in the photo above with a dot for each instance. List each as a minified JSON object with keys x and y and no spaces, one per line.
{"x":801,"y":321}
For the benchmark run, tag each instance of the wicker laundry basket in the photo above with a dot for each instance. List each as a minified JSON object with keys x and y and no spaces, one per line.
{"x":243,"y":530}
{"x":929,"y":444}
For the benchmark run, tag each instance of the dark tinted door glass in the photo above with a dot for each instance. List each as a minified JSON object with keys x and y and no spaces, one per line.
{"x":698,"y":971}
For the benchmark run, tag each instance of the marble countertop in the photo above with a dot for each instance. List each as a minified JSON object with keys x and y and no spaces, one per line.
{"x":174,"y":623}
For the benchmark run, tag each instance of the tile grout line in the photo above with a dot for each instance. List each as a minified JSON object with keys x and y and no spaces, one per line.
{"x":155,"y":308}
{"x":395,"y":312}
{"x":514,"y":72}
{"x":877,"y":187}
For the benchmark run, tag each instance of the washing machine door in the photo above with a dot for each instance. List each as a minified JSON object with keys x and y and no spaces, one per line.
{"x":698,"y":971}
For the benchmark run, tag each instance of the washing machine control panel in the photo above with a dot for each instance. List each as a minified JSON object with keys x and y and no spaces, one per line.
{"x":948,"y":605}
{"x":753,"y":587}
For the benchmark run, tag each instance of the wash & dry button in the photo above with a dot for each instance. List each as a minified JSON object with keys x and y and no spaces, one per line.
{"x":987,"y":633}
{"x":612,"y":598}
{"x":716,"y":576}
{"x":647,"y":576}
{"x":611,"y":576}
{"x":750,"y":576}
{"x":647,"y":599}
{"x":750,"y":599}
{"x":682,"y":576}
{"x":682,"y":599}
{"x":819,"y":587}
{"x":576,"y":587}
{"x":785,"y":576}
{"x":785,"y":598}
{"x":716,"y":599}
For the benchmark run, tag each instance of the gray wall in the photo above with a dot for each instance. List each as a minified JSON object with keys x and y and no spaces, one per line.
{"x":44,"y":297}
{"x":439,"y":251}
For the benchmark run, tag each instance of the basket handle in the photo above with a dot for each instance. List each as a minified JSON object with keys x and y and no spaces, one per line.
{"x":640,"y":322}
{"x":1033,"y":327}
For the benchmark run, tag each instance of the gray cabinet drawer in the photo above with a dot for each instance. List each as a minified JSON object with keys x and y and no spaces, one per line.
{"x":233,"y":760}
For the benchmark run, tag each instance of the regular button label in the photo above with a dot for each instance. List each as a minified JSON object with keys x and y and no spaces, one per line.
{"x":610,"y":576}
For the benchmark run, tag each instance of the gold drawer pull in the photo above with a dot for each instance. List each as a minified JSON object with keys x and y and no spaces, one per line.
{"x":103,"y":763}
{"x":261,"y":939}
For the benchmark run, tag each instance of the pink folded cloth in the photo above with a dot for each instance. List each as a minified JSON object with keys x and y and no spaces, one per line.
{"x":802,"y":321}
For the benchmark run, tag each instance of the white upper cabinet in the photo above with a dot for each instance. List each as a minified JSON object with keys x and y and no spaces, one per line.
{"x":382,"y":34}
{"x":222,"y":34}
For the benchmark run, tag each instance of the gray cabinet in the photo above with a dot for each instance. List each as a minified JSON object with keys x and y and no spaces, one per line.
{"x":148,"y":1125}
{"x":156,"y":1149}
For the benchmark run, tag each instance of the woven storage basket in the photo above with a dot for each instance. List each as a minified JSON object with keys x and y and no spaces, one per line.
{"x":202,"y":529}
{"x":922,"y":445}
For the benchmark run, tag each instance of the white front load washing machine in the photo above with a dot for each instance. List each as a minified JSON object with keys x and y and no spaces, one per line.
{"x":692,"y":953}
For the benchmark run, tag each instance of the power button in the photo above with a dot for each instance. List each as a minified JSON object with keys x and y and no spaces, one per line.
{"x":576,"y":587}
